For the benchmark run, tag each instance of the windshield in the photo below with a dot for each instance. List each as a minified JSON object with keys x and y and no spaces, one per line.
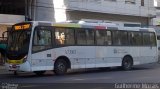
{"x":18,"y":44}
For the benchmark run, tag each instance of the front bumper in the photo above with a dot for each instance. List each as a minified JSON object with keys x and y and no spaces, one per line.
{"x":18,"y":67}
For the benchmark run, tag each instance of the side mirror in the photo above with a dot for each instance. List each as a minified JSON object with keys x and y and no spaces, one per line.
{"x":158,"y":48}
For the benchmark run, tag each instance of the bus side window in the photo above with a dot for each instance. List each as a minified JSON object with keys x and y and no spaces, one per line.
{"x":60,"y":36}
{"x":146,"y":39}
{"x":152,"y":39}
{"x":100,"y":37}
{"x":90,"y":37}
{"x":42,"y":39}
{"x":69,"y":36}
{"x":64,"y":36}
{"x":81,"y":37}
{"x":116,"y":38}
{"x":109,"y":38}
{"x":135,"y":38}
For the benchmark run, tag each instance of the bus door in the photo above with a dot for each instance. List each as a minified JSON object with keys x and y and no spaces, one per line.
{"x":41,"y":49}
{"x":149,"y":50}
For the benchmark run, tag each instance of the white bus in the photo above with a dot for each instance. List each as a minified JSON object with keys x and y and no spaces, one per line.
{"x":41,"y":46}
{"x":157,"y":29}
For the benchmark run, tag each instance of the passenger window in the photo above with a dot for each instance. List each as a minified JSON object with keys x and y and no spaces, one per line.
{"x":90,"y":37}
{"x":116,"y":38}
{"x":60,"y":36}
{"x":103,"y":37}
{"x":42,"y":39}
{"x":81,"y":37}
{"x":64,"y":36}
{"x":100,"y":37}
{"x":124,"y":38}
{"x":135,"y":38}
{"x":109,"y":38}
{"x":153,"y":39}
{"x":146,"y":39}
{"x":85,"y":37}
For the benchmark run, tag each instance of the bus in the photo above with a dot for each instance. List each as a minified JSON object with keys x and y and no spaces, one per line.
{"x":157,"y":29}
{"x":42,"y":46}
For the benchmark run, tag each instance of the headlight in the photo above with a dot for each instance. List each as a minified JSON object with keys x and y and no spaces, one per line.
{"x":24,"y":59}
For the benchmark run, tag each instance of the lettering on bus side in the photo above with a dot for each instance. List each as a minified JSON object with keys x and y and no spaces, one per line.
{"x":119,"y":51}
{"x":70,"y":51}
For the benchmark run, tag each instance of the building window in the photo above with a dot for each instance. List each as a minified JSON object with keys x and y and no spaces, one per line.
{"x":130,"y":1}
{"x":142,"y":2}
{"x":132,"y":25}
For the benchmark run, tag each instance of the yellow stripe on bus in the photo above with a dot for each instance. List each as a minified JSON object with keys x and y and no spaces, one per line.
{"x":15,"y":61}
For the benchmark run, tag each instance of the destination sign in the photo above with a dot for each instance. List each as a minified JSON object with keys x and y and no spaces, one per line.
{"x":22,"y":27}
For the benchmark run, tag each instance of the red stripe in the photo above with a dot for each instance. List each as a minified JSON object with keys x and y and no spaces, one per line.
{"x":100,"y":27}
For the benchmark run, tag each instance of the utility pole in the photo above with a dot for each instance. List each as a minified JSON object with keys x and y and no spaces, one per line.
{"x":26,"y":10}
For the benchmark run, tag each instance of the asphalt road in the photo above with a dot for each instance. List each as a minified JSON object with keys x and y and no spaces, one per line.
{"x":86,"y":79}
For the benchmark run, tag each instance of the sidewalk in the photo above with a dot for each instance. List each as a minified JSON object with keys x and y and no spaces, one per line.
{"x":2,"y":67}
{"x":3,"y":70}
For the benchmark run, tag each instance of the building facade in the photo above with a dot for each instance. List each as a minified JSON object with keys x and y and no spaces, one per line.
{"x":156,"y":21}
{"x":11,"y":12}
{"x":122,"y":11}
{"x":125,"y":11}
{"x":138,"y":12}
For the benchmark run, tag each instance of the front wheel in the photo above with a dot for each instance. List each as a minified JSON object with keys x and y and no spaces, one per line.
{"x":60,"y":67}
{"x":127,"y":63}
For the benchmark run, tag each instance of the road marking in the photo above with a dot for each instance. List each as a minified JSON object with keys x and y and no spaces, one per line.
{"x":81,"y":79}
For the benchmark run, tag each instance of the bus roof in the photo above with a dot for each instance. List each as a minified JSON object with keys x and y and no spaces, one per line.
{"x":83,"y":24}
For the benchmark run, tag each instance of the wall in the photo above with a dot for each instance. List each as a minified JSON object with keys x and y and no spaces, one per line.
{"x":44,"y":10}
{"x":8,"y":20}
{"x":78,"y":15}
{"x":11,"y":19}
{"x":113,"y":7}
{"x":3,"y":28}
{"x":62,"y":10}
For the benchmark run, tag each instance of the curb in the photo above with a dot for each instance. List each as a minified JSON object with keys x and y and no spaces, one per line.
{"x":3,"y":70}
{"x":2,"y":67}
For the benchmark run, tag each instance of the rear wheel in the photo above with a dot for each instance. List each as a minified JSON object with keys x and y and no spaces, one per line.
{"x":39,"y":72}
{"x":60,"y":67}
{"x":127,"y":63}
{"x":105,"y":68}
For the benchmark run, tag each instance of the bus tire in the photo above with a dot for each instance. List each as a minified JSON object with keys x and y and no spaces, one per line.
{"x":127,"y":63}
{"x":105,"y":68}
{"x":15,"y":73}
{"x":60,"y":67}
{"x":39,"y":72}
